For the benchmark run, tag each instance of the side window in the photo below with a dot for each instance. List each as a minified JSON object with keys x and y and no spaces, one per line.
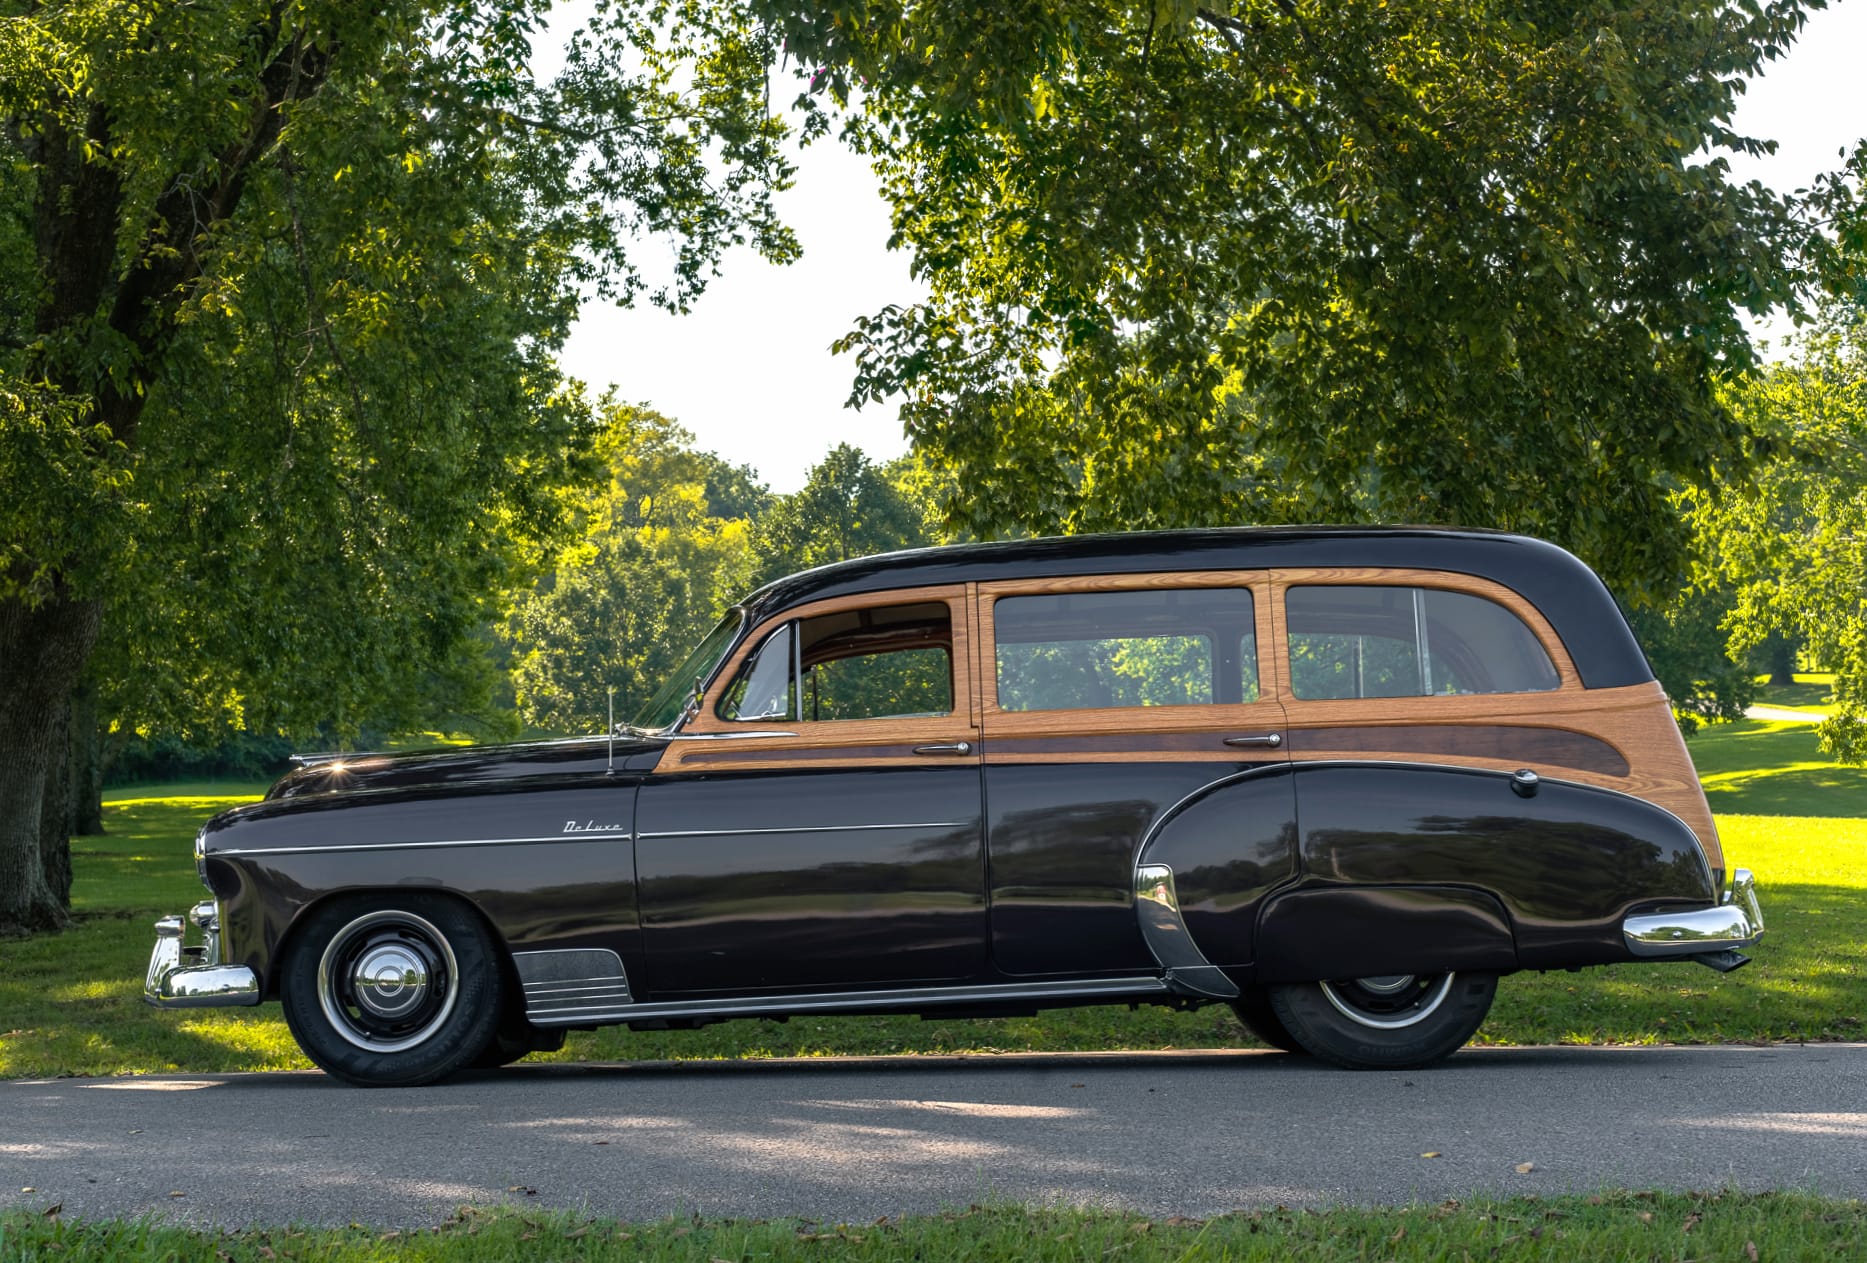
{"x":1364,"y":641}
{"x":1081,"y":650}
{"x":894,"y":661}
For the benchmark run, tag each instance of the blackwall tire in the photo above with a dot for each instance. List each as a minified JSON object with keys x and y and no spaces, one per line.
{"x":1253,"y":1007}
{"x":393,"y":990}
{"x":1385,"y":1023}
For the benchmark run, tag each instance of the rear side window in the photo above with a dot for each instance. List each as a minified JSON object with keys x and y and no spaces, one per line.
{"x":1089,"y":650}
{"x":1364,"y":641}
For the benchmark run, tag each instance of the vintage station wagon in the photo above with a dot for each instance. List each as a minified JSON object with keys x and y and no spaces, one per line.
{"x":1342,"y":780}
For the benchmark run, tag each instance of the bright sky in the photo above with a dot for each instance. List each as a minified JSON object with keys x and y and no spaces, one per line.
{"x":749,"y":370}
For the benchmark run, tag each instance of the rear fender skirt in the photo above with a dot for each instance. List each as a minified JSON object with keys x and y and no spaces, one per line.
{"x":1364,"y":931}
{"x":1568,"y":862}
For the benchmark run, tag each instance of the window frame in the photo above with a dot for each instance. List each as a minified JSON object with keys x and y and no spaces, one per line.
{"x":1232,"y":717}
{"x":1424,"y":706}
{"x":881,"y":734}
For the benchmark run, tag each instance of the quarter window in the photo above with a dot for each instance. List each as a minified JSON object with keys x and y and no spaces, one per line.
{"x":1364,"y":641}
{"x":1075,"y":651}
{"x":892,"y":661}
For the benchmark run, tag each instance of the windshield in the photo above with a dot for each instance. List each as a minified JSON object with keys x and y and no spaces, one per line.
{"x":665,"y":708}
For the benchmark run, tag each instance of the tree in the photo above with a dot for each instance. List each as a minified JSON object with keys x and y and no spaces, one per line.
{"x":282,"y":282}
{"x":1689,"y":649}
{"x":1793,"y":539}
{"x":654,"y":565}
{"x":1296,"y":260}
{"x":847,"y":507}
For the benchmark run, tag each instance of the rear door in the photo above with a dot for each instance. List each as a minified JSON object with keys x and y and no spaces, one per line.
{"x":1107,"y":700}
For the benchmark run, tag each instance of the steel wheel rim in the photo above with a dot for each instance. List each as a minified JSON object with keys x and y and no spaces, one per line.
{"x":387,"y":981}
{"x":1387,"y":1004}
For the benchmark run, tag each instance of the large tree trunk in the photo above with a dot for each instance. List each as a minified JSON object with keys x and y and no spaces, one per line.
{"x":87,"y":764}
{"x":55,"y":811}
{"x":42,"y":651}
{"x":1782,"y":659}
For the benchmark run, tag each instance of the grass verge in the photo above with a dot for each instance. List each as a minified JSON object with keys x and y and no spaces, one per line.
{"x":72,"y":1004}
{"x":1615,"y":1225}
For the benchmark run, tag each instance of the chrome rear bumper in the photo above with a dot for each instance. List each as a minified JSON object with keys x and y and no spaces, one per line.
{"x":190,"y":975}
{"x":1736,"y":922}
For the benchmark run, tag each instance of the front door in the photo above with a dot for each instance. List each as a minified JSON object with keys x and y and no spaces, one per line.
{"x":818,"y":823}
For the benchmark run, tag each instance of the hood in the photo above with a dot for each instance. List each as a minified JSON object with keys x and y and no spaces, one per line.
{"x":467,"y":765}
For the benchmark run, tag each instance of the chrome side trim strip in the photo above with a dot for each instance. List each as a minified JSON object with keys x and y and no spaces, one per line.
{"x":912,"y":997}
{"x":567,"y":837}
{"x":415,"y":846}
{"x":1736,"y":922}
{"x":819,"y":828}
{"x":1157,"y":904}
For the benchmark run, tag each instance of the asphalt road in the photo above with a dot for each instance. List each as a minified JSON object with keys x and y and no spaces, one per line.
{"x":849,"y":1140}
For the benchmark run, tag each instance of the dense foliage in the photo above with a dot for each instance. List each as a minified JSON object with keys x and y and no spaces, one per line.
{"x":279,"y":411}
{"x":672,"y":539}
{"x":1287,"y":260}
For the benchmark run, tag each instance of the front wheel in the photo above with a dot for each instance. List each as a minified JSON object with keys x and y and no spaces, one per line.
{"x":1390,"y":1022}
{"x":394,"y":990}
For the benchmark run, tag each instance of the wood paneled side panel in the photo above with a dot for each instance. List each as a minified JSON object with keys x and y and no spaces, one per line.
{"x":1634,"y":721}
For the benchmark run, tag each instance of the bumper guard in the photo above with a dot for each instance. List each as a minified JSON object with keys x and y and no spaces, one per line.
{"x":191,"y":975}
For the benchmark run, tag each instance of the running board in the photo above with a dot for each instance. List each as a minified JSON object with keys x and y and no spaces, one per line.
{"x":1087,"y":989}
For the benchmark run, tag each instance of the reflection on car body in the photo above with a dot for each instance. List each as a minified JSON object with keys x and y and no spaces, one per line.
{"x":1339,"y":779}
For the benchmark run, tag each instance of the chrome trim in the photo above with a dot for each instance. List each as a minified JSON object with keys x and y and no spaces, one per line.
{"x":1737,"y":921}
{"x":818,"y":1002}
{"x":1157,"y":906}
{"x":415,"y":846}
{"x":727,"y":736}
{"x":945,"y":747}
{"x":821,"y":828}
{"x":202,"y":982}
{"x":571,"y":980}
{"x":1412,"y":1017}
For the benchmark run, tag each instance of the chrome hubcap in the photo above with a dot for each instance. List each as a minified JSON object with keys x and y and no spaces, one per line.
{"x":390,"y":980}
{"x":1388,"y":1002}
{"x":387,"y":981}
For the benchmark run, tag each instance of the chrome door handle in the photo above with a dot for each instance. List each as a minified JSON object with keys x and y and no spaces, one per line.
{"x":1271,"y":739}
{"x":946,"y":747}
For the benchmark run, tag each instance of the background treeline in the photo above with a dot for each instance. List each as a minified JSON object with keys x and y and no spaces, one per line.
{"x":657,"y":545}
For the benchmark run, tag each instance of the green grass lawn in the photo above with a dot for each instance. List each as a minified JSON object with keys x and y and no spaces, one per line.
{"x":1611,"y":1225}
{"x":72,"y":1004}
{"x":1810,"y":692}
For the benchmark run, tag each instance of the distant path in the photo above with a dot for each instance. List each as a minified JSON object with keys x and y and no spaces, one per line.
{"x":1780,"y":715}
{"x":850,"y":1139}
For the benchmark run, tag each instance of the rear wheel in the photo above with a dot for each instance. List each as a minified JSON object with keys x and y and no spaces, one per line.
{"x":1386,"y":1022}
{"x":393,"y":990}
{"x":1253,"y":1007}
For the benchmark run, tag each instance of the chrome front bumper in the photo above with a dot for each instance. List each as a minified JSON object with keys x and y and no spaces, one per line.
{"x":190,"y":975}
{"x":1736,"y":922}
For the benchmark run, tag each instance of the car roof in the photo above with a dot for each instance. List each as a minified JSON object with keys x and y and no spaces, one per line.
{"x":1576,"y":603}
